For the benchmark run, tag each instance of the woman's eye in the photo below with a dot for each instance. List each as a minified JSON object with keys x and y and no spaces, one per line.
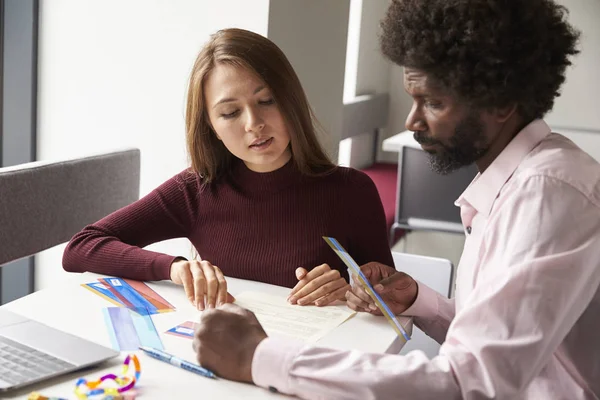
{"x":266,"y":102}
{"x":230,"y":115}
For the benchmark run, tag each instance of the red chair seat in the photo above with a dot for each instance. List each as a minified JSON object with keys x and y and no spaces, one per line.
{"x":385,"y":177}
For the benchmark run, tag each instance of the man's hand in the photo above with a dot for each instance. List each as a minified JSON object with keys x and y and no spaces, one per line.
{"x":397,"y":289}
{"x":225,"y":341}
{"x":204,"y":283}
{"x":321,"y":286}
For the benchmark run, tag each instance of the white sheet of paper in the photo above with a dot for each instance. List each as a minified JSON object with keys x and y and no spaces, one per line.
{"x":278,"y":317}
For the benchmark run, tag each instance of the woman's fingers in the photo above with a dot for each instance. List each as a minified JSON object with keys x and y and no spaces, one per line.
{"x":199,"y":284}
{"x":301,"y":273}
{"x":212,"y":284}
{"x":337,"y":294}
{"x":319,"y":282}
{"x":204,"y":284}
{"x":184,"y":276}
{"x":311,"y":281}
{"x":323,"y":285}
{"x":230,"y":298}
{"x":305,"y":277}
{"x":222,"y":286}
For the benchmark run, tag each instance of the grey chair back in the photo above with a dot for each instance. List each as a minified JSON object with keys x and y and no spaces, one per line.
{"x":425,"y":199}
{"x":43,"y":204}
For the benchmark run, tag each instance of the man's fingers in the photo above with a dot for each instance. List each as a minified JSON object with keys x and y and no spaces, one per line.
{"x":195,"y":344}
{"x":360,"y":292}
{"x":370,"y":269}
{"x":397,"y":281}
{"x":355,"y":302}
{"x":222,"y":286}
{"x":235,"y":309}
{"x":199,"y":284}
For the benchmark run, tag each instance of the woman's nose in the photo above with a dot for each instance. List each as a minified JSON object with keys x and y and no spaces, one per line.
{"x":254,"y":121}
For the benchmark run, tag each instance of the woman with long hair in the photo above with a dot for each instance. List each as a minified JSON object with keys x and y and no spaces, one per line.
{"x":258,"y":197}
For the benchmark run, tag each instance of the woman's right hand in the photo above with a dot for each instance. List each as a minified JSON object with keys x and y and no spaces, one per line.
{"x":204,"y":283}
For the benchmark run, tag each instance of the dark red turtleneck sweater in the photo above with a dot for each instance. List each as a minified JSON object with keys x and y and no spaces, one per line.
{"x":257,"y":226}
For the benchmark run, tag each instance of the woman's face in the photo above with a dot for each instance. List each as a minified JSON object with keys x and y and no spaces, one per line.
{"x":246,"y":118}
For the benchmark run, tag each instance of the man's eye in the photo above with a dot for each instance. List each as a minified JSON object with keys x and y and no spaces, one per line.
{"x":433,"y":104}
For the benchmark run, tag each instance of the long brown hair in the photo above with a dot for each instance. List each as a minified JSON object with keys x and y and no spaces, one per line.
{"x":210,"y":159}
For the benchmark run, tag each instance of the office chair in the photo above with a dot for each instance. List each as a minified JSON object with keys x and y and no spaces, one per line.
{"x":437,"y":273}
{"x":43,"y":204}
{"x":425,"y":199}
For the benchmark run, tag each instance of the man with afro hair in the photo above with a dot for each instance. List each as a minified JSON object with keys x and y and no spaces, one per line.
{"x":525,"y":320}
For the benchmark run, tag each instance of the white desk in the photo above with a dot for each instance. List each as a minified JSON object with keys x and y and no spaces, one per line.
{"x":72,"y":308}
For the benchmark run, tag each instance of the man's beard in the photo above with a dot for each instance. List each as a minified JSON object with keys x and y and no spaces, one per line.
{"x":467,"y":145}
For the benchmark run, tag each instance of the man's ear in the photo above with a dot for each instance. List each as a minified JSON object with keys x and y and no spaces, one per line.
{"x":502,"y":114}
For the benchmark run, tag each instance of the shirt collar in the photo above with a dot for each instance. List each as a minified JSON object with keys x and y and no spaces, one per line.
{"x":484,"y":188}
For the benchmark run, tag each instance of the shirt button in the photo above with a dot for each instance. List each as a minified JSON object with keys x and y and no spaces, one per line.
{"x":468,"y":230}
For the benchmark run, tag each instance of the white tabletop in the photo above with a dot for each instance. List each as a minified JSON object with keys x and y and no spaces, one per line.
{"x":74,"y":309}
{"x":398,"y":141}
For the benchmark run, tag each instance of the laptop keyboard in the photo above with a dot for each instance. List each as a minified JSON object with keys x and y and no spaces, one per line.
{"x":22,"y":364}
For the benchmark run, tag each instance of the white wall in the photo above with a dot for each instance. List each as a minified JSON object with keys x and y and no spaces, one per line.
{"x":114,"y":73}
{"x":400,"y":104}
{"x":373,"y":69}
{"x":576,"y":113}
{"x":372,"y":74}
{"x":577,"y":107}
{"x":312,"y":34}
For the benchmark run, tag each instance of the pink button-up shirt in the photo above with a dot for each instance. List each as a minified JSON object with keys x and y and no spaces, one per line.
{"x":525,"y":323}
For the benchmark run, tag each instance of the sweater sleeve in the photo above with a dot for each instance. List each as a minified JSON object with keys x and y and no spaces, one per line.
{"x":366,"y":223}
{"x":113,"y":245}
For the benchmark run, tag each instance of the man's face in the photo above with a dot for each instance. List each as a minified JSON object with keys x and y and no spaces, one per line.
{"x":453,"y":134}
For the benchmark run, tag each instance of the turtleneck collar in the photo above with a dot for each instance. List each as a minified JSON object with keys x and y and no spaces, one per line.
{"x":252,"y":182}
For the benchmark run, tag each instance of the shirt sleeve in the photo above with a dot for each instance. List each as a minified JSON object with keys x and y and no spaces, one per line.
{"x":431,"y":312}
{"x":538,"y":275}
{"x":113,"y":245}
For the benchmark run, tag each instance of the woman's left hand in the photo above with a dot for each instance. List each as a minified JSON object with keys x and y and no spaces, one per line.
{"x":321,"y":286}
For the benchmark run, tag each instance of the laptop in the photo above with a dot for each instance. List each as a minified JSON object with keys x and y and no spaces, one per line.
{"x":31,"y":352}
